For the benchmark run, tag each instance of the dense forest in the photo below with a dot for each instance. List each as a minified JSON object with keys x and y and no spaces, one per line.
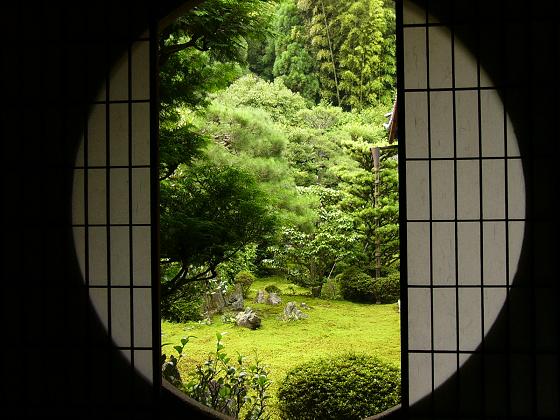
{"x":274,"y":150}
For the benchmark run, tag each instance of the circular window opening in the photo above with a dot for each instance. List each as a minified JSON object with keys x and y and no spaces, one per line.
{"x":105,"y":239}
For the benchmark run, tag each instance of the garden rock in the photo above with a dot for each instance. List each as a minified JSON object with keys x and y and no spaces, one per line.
{"x":273,"y":299}
{"x":217,"y":303}
{"x":235,"y":298}
{"x":235,"y":295}
{"x":248,"y":319}
{"x":304,"y":305}
{"x":292,"y":313}
{"x":238,"y":304}
{"x":260,"y":297}
{"x":170,"y":371}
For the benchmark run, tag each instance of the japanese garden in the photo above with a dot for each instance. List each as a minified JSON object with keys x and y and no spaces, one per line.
{"x":279,"y":208}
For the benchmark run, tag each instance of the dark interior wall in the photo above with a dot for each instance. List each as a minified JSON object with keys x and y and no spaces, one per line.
{"x":59,"y":361}
{"x":56,"y":358}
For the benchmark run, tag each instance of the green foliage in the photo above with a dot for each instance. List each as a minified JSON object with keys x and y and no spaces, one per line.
{"x":331,"y":290}
{"x":255,"y":175}
{"x":335,"y":325}
{"x":353,"y":43}
{"x":189,"y":307}
{"x":272,"y":288}
{"x":170,"y":365}
{"x":229,"y":385}
{"x":356,"y":286}
{"x":249,"y":138}
{"x":208,"y":213}
{"x":273,"y":97}
{"x":367,"y":54}
{"x":244,"y":130}
{"x":294,"y":63}
{"x":201,"y":53}
{"x":387,"y":289}
{"x":309,"y":257}
{"x":221,"y":27}
{"x":322,"y":117}
{"x":371,"y":202}
{"x":243,"y":260}
{"x":245,"y":279}
{"x":345,"y":387}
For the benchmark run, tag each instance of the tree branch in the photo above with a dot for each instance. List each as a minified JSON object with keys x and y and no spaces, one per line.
{"x":166,"y":52}
{"x":181,"y":280}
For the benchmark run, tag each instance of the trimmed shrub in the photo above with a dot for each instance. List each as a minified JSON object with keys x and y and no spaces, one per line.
{"x":272,"y":288}
{"x":245,"y":279}
{"x":356,"y":286}
{"x":346,"y":387}
{"x":387,"y":289}
{"x":330,"y":290}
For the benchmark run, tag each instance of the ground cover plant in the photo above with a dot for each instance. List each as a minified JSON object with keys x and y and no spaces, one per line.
{"x":334,"y":327}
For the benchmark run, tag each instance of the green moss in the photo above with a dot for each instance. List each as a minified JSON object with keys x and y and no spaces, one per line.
{"x":333,"y":328}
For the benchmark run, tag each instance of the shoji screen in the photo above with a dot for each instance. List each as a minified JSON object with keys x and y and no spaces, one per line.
{"x":465,"y":215}
{"x":112,"y":199}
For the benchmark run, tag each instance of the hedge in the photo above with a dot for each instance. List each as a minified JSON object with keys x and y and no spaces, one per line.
{"x":356,"y":286}
{"x":350,"y":386}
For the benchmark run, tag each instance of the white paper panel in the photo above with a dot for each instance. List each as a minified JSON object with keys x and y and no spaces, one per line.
{"x":120,"y":256}
{"x":468,"y":253}
{"x":118,"y":129}
{"x":141,"y":196}
{"x":470,"y":319}
{"x":141,"y":134}
{"x":441,"y":124}
{"x":97,"y":258}
{"x":141,"y":254}
{"x":440,"y":57}
{"x":466,"y":109}
{"x":445,"y":320}
{"x":119,"y":196}
{"x":443,"y":190}
{"x":420,"y":379}
{"x":443,"y":250}
{"x":417,"y":191}
{"x":418,"y":251}
{"x":468,"y":189}
{"x":141,"y":74}
{"x":419,"y":319}
{"x":494,"y":253}
{"x":142,"y":317}
{"x":416,"y":125}
{"x":120,"y":316}
{"x":415,"y":63}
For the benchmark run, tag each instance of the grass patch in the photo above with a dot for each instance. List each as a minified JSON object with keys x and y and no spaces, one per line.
{"x":333,"y":328}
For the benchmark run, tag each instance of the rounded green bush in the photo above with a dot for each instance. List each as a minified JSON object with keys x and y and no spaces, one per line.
{"x":387,"y":289}
{"x":346,"y":387}
{"x":330,"y":290}
{"x":356,"y":286}
{"x":245,"y":279}
{"x":272,"y":288}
